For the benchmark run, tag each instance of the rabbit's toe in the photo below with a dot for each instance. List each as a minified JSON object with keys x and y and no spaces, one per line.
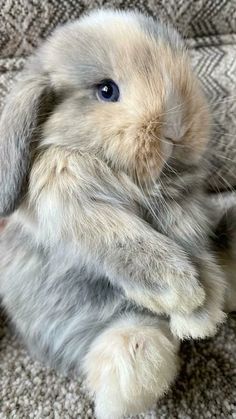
{"x":199,"y":325}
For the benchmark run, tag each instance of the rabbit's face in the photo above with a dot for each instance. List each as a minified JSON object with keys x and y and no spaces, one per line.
{"x":117,"y":85}
{"x":128,"y":93}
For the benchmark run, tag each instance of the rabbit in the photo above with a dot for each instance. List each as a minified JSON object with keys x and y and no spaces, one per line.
{"x":106,"y":261}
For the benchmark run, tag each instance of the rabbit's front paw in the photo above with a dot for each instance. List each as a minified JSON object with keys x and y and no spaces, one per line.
{"x":198,"y":325}
{"x":179,"y":292}
{"x":185,"y":293}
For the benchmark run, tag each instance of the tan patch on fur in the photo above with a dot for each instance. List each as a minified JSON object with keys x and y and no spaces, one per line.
{"x":149,"y":160}
{"x":133,"y":133}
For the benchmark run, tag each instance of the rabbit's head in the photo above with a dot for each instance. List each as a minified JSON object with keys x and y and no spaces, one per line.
{"x":117,"y":85}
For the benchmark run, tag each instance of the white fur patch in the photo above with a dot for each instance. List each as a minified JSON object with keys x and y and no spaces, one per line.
{"x":129,"y":366}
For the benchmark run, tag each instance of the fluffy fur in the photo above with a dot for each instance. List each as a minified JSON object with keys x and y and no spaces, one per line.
{"x":111,"y":226}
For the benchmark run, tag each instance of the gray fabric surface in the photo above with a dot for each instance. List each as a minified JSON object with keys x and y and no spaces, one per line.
{"x":206,"y":387}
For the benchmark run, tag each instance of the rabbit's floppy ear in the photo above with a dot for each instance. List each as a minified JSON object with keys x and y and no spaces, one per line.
{"x":18,"y":124}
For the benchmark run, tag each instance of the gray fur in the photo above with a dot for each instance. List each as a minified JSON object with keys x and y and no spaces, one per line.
{"x":58,"y":312}
{"x":70,"y":306}
{"x":17,"y":128}
{"x":165,"y":33}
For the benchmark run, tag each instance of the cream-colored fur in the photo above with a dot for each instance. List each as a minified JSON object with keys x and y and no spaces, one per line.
{"x":130,"y":365}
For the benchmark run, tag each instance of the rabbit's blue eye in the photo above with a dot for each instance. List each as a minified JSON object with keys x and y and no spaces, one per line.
{"x":108,"y":91}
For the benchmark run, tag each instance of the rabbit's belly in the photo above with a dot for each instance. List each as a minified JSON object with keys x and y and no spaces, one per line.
{"x":58,"y":307}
